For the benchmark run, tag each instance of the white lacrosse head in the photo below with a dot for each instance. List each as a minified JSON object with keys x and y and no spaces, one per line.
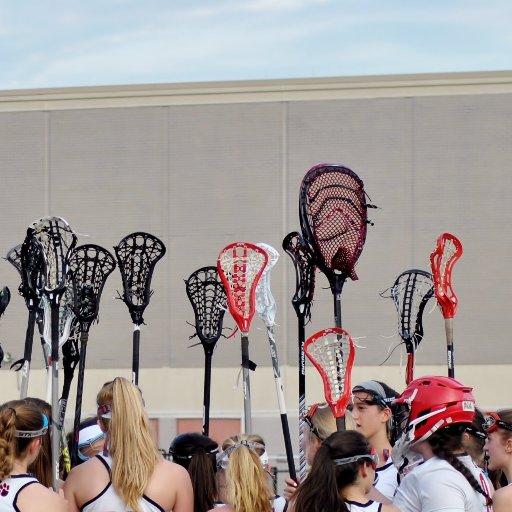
{"x":66,"y":317}
{"x":265,"y":302}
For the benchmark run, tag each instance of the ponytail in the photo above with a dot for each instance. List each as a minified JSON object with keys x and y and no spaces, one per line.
{"x":443,"y":443}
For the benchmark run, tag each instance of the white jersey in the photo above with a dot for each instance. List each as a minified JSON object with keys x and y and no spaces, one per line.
{"x":481,"y":478}
{"x":386,"y":479}
{"x":370,"y":506}
{"x":436,"y":486}
{"x":109,"y":500}
{"x":10,"y":489}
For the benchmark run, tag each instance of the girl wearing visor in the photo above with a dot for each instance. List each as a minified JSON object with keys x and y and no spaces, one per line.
{"x":133,"y":476}
{"x":498,"y":446}
{"x":243,"y":476}
{"x":340,"y":478}
{"x":22,"y":427}
{"x":434,"y":412}
{"x":371,"y":411}
{"x":91,"y":439}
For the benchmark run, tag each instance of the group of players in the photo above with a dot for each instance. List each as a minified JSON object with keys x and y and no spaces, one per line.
{"x":427,"y":449}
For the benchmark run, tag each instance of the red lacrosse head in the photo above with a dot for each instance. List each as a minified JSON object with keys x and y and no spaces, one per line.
{"x":332,"y":353}
{"x":442,"y":260}
{"x":333,"y":216}
{"x":240,"y":266}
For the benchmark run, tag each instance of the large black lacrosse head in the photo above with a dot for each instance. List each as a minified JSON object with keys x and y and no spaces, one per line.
{"x":137,"y":255}
{"x":209,"y":302}
{"x":31,"y":269}
{"x":295,"y":247}
{"x":410,"y":292}
{"x":5,"y":298}
{"x":333,"y":218}
{"x":90,"y":266}
{"x":57,"y":241}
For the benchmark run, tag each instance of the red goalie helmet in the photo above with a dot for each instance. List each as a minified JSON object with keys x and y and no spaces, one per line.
{"x":430,"y":403}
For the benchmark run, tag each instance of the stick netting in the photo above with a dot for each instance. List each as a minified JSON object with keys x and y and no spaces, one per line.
{"x":333,"y":216}
{"x":57,"y":241}
{"x":410,"y":293}
{"x":137,"y":255}
{"x":90,"y":267}
{"x":332,"y":353}
{"x":240,"y":267}
{"x":209,"y":302}
{"x":67,"y":317}
{"x":265,"y":302}
{"x":302,"y":260}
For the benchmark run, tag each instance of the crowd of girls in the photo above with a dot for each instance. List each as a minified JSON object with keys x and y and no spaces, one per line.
{"x":427,"y":449}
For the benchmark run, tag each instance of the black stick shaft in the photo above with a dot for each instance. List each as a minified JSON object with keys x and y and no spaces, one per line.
{"x":84,"y":338}
{"x":246,"y":384}
{"x":340,"y":423}
{"x":448,"y":325}
{"x":281,"y":403}
{"x":135,"y":358}
{"x":27,"y":355}
{"x":206,"y":392}
{"x":302,"y":396}
{"x":54,"y":301}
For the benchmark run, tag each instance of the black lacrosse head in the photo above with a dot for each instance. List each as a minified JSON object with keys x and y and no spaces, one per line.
{"x":302,"y":259}
{"x":31,"y":269}
{"x":90,"y":266}
{"x":209,"y":302}
{"x":410,"y":292}
{"x":137,"y":254}
{"x":71,"y":352}
{"x":5,"y":298}
{"x":56,"y":240}
{"x":333,"y":218}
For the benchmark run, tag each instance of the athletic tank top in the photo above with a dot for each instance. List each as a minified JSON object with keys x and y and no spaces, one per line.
{"x":109,"y":500}
{"x":10,"y":488}
{"x":371,"y":506}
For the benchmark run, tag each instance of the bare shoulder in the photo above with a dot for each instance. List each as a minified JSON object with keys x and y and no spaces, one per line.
{"x":38,"y":497}
{"x":171,"y":468}
{"x":390,"y":508}
{"x":502,"y":499}
{"x":223,"y":508}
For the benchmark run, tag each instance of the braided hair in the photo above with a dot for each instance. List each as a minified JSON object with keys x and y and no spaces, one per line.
{"x":444,"y":443}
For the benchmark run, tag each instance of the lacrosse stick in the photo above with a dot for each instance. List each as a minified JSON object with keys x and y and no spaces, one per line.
{"x":5,"y":297}
{"x":295,"y":247}
{"x":137,"y":254}
{"x":333,"y":219}
{"x":57,"y":241}
{"x":332,"y":353}
{"x":209,"y":302}
{"x":32,"y":264}
{"x":240,"y":267}
{"x":410,"y":292}
{"x":266,"y":309}
{"x":90,"y":267}
{"x":448,"y":251}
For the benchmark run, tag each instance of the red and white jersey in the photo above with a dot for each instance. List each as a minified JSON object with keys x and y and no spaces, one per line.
{"x":436,"y":486}
{"x":386,"y":479}
{"x":481,"y":478}
{"x":10,"y":489}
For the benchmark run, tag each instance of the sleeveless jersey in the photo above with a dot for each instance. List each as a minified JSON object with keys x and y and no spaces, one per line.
{"x":370,"y":506}
{"x":386,"y":479}
{"x":481,"y":478}
{"x":109,"y":500}
{"x":10,"y":488}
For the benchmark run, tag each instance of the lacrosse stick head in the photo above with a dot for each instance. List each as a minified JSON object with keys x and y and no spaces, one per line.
{"x":332,"y":353}
{"x":137,"y":254}
{"x":57,"y":241}
{"x":5,"y":298}
{"x":67,"y":317}
{"x":265,"y":302}
{"x":208,"y":298}
{"x":240,"y":266}
{"x":410,"y":292}
{"x":90,"y":267}
{"x":31,"y":265}
{"x":333,"y":218}
{"x":448,"y":250}
{"x":302,"y":259}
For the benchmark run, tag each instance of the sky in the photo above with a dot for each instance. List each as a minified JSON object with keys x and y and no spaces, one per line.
{"x":67,"y":43}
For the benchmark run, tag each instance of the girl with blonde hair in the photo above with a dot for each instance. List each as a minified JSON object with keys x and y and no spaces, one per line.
{"x":498,"y":446}
{"x":22,"y":427}
{"x":133,"y":476}
{"x":246,"y":484}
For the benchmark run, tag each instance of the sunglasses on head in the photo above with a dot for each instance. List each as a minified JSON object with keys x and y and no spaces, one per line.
{"x":308,"y":420}
{"x":373,"y":457}
{"x":493,"y":422}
